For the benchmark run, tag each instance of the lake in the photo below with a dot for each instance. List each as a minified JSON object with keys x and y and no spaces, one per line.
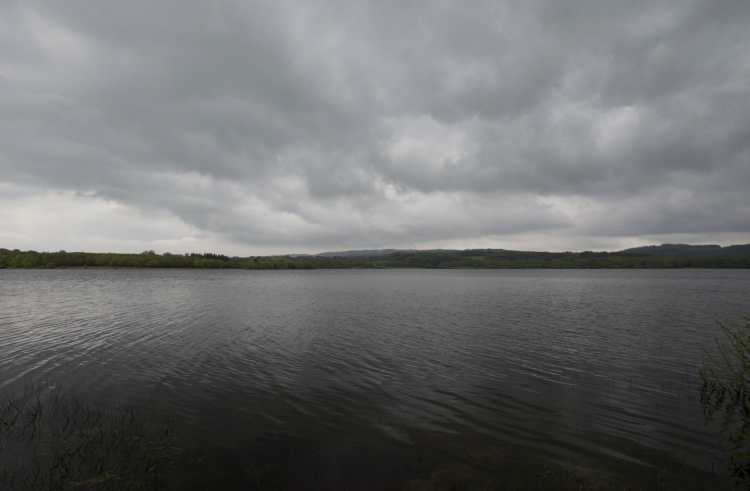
{"x":344,"y":379}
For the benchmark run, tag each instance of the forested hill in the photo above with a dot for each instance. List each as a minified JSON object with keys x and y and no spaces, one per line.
{"x":684,"y":250}
{"x":477,"y":259}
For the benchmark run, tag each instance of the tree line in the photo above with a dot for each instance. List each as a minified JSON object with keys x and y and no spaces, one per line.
{"x":475,"y":259}
{"x":685,"y":250}
{"x":146,"y":259}
{"x":501,"y":259}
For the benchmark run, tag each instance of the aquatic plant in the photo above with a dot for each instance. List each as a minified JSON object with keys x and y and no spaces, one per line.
{"x":53,"y":442}
{"x":726,"y":392}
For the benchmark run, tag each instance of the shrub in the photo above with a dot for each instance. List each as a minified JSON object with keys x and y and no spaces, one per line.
{"x":726,"y":392}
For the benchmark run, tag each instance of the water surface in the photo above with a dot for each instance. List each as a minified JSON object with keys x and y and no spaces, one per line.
{"x":574,"y":362}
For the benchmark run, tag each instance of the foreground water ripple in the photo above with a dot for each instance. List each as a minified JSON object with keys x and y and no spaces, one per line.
{"x":600,"y":361}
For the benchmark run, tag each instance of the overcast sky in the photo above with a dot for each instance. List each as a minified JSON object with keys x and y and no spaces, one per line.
{"x":246,"y":127}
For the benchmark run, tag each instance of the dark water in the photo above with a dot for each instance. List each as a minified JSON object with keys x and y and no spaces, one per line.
{"x":355,"y":367}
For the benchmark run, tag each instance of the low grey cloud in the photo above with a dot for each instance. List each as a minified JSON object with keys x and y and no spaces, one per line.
{"x":292,"y":126}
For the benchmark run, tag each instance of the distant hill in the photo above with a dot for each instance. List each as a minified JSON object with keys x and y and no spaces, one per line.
{"x":685,"y":250}
{"x":383,"y":252}
{"x":365,"y":253}
{"x":369,"y":252}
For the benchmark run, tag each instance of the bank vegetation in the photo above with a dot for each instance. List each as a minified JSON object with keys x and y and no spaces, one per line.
{"x":469,"y":259}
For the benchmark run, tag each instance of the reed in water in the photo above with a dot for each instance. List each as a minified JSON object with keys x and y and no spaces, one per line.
{"x":51,"y":441}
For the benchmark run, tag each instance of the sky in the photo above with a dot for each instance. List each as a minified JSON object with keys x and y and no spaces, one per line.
{"x":249,"y":128}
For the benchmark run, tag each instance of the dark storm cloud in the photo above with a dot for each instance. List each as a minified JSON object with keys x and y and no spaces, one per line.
{"x":374,"y":123}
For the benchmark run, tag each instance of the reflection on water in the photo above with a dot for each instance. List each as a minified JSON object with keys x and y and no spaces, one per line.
{"x":271,"y":368}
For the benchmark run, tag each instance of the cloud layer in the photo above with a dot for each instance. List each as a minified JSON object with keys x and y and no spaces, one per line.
{"x":262,"y":127}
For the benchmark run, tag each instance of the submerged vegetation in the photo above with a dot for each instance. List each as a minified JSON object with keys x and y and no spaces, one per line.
{"x":726,"y":393}
{"x":49,"y":441}
{"x":52,"y":442}
{"x":472,"y":259}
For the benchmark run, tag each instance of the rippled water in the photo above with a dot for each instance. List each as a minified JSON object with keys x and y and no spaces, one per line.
{"x":574,"y":362}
